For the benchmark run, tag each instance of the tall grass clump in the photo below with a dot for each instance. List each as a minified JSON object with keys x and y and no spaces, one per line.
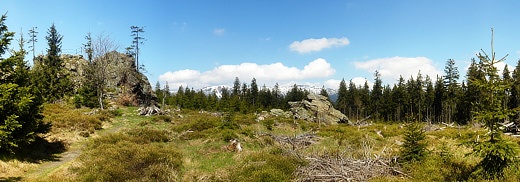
{"x":135,"y":155}
{"x":64,"y":118}
{"x":267,"y":166}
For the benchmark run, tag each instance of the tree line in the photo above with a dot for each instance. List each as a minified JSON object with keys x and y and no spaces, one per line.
{"x":418,"y":98}
{"x":241,"y":97}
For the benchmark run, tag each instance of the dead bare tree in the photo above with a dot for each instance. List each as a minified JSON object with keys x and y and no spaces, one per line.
{"x":102,"y":46}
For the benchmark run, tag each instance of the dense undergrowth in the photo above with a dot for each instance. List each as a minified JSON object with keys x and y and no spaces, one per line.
{"x":190,"y":146}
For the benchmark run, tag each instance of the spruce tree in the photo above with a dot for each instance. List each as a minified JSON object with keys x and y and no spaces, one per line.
{"x":438,"y":99}
{"x":236,"y":87}
{"x":364,"y":97}
{"x":137,"y":40}
{"x":254,"y":94}
{"x":88,"y":94}
{"x":452,"y":87}
{"x":387,"y":106}
{"x":277,"y":96}
{"x":353,"y":101}
{"x":50,"y":77}
{"x":375,"y":95}
{"x":341,"y":102}
{"x":20,"y":106}
{"x":514,"y":98}
{"x":497,"y":152}
{"x":324,"y":92}
{"x":399,"y":98}
{"x":428,"y":99}
{"x":414,"y":146}
{"x":33,"y":39}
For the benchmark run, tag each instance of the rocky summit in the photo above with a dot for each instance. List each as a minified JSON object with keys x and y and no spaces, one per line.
{"x":317,"y":108}
{"x":122,"y":79}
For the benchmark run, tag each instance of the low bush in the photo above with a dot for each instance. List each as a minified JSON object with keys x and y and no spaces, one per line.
{"x":434,"y":168}
{"x":135,"y":155}
{"x":161,"y":118}
{"x":267,"y":166}
{"x":200,"y":124}
{"x":269,"y":124}
{"x":128,"y":161}
{"x":308,"y":126}
{"x":148,"y":135}
{"x":63,"y":118}
{"x":111,"y":112}
{"x":138,"y":135}
{"x":228,"y":135}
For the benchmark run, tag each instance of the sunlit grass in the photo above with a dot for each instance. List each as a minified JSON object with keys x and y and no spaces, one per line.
{"x":195,"y":144}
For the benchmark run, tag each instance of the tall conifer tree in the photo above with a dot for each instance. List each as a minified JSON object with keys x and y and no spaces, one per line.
{"x":497,"y":152}
{"x":20,"y":106}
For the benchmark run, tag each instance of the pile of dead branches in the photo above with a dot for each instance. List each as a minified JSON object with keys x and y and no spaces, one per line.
{"x":363,"y":122}
{"x":335,"y":167}
{"x":296,"y":142}
{"x":338,"y":168}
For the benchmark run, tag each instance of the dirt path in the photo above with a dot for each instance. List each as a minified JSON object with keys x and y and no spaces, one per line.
{"x":66,"y":158}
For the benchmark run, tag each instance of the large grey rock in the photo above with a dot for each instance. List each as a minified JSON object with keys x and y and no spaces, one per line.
{"x":317,"y":108}
{"x":279,"y":112}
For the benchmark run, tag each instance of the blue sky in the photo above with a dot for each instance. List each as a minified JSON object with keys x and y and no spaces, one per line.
{"x":203,"y":43}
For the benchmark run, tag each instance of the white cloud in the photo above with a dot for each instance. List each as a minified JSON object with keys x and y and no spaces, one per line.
{"x":391,"y":68}
{"x":219,"y":31}
{"x":309,"y":45}
{"x":360,"y":82}
{"x":332,"y":83}
{"x":500,"y":68}
{"x":268,"y":74}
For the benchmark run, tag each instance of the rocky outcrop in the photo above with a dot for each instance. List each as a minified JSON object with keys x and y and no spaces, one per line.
{"x":317,"y":108}
{"x":122,"y":78}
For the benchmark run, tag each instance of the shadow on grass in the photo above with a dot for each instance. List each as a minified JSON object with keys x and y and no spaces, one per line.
{"x":38,"y":151}
{"x":10,"y":179}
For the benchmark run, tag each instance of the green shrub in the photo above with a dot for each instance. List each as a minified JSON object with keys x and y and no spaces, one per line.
{"x":228,"y":122}
{"x":193,"y":135}
{"x":248,"y":132}
{"x":112,"y":112}
{"x":127,"y":161}
{"x":269,"y":123}
{"x":199,"y":124}
{"x":203,"y":124}
{"x":497,"y":155}
{"x":228,"y":135}
{"x":434,"y":168}
{"x":135,"y":155}
{"x":267,"y":167}
{"x":308,"y":126}
{"x":137,"y":135}
{"x":244,"y":119}
{"x":63,"y":118}
{"x":161,"y":118}
{"x":148,"y":135}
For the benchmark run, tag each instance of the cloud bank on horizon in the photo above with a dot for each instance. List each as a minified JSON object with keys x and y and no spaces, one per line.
{"x":319,"y":69}
{"x":268,"y":74}
{"x":393,"y":68}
